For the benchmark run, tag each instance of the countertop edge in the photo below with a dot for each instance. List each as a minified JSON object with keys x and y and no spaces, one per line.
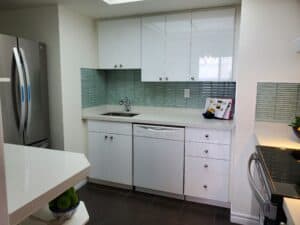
{"x":24,"y":212}
{"x":291,"y":218}
{"x":225,"y":127}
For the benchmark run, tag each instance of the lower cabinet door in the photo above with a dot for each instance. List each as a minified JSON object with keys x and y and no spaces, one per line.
{"x":98,"y":155}
{"x":110,"y":156}
{"x":120,"y":159}
{"x":207,"y":178}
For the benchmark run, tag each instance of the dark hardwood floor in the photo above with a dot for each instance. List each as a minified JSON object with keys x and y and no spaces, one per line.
{"x":111,"y":206}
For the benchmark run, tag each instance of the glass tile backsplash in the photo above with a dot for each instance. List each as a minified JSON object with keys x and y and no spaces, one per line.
{"x":277,"y":102}
{"x":120,"y":83}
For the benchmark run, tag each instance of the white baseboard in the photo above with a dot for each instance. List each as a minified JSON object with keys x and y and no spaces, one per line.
{"x":244,"y":219}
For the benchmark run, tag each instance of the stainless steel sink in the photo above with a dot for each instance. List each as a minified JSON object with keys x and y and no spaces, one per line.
{"x":121,"y":114}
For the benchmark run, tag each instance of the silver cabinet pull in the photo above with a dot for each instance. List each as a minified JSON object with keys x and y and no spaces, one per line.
{"x":206,"y":151}
{"x":205,"y":166}
{"x":205,"y":186}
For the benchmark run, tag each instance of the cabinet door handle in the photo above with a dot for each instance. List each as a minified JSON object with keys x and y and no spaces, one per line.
{"x":160,"y":78}
{"x":206,"y":136}
{"x":206,"y":151}
{"x":105,"y":137}
{"x":121,"y":65}
{"x":116,"y":66}
{"x":167,"y":78}
{"x":111,"y":137}
{"x":192,"y":78}
{"x":205,"y":166}
{"x":205,"y":186}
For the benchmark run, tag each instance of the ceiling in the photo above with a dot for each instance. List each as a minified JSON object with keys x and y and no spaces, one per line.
{"x":99,"y":9}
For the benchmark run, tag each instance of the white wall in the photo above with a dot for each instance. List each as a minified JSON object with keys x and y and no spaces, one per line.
{"x":41,"y":24}
{"x":78,"y":48}
{"x":3,"y":198}
{"x":266,"y":53}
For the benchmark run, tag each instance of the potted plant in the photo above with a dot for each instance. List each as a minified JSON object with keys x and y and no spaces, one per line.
{"x":65,"y":205}
{"x":296,"y":126}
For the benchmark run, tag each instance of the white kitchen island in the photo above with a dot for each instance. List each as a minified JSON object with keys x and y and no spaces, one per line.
{"x":35,"y":176}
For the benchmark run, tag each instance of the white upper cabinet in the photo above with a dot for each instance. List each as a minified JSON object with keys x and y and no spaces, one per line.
{"x":153,"y":48}
{"x":120,"y":43}
{"x":166,"y":47}
{"x":212,"y":46}
{"x":178,"y":45}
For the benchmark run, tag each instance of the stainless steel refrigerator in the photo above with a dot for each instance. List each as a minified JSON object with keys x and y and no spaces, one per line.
{"x":24,"y":91}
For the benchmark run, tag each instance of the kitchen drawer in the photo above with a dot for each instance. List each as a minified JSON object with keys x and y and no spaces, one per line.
{"x":209,"y":183}
{"x":208,"y":136}
{"x":213,"y":151}
{"x":110,"y":127}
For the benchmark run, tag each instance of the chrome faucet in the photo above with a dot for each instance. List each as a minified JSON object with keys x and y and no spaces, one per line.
{"x":127,"y":104}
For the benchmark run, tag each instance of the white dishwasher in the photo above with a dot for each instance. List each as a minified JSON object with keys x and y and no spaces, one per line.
{"x":159,"y":158}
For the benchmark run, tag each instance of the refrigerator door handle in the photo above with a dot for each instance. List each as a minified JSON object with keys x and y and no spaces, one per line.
{"x":28,"y":85}
{"x":21,"y":89}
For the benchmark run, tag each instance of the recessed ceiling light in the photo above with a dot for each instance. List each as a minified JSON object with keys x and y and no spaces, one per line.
{"x":114,"y":2}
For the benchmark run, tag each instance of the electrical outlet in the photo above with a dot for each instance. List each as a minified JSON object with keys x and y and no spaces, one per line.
{"x":186,"y":93}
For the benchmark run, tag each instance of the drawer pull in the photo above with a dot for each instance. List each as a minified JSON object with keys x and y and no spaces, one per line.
{"x":205,"y":166}
{"x":111,"y":137}
{"x":206,"y":151}
{"x":105,"y":137}
{"x":206,"y":135}
{"x":205,"y":186}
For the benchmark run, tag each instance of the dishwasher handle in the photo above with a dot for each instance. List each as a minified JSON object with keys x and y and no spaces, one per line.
{"x":158,"y":129}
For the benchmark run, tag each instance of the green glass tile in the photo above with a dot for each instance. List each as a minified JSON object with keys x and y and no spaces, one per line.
{"x":109,"y":86}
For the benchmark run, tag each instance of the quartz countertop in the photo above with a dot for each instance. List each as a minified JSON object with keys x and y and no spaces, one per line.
{"x":291,"y":208}
{"x":159,"y":116}
{"x":278,"y":135}
{"x":35,"y":176}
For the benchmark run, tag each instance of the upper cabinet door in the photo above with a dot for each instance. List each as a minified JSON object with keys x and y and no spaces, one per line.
{"x":120,"y":44}
{"x":178,"y":45}
{"x":153,"y":48}
{"x":212,"y":45}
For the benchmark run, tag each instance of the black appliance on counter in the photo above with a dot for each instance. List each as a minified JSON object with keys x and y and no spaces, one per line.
{"x":274,"y":173}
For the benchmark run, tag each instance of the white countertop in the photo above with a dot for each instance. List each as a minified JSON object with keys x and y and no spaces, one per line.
{"x":276,"y":135}
{"x":291,"y":208}
{"x":35,"y":176}
{"x":158,"y":115}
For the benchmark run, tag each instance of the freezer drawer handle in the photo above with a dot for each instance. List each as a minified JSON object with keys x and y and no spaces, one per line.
{"x":269,"y":210}
{"x":22,"y":90}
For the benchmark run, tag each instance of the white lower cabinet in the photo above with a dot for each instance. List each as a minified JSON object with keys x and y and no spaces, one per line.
{"x":159,"y":162}
{"x":110,"y":154}
{"x":206,"y":178}
{"x":207,"y":164}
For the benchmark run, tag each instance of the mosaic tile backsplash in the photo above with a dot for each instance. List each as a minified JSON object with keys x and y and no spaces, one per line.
{"x":277,"y":102}
{"x":120,"y":83}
